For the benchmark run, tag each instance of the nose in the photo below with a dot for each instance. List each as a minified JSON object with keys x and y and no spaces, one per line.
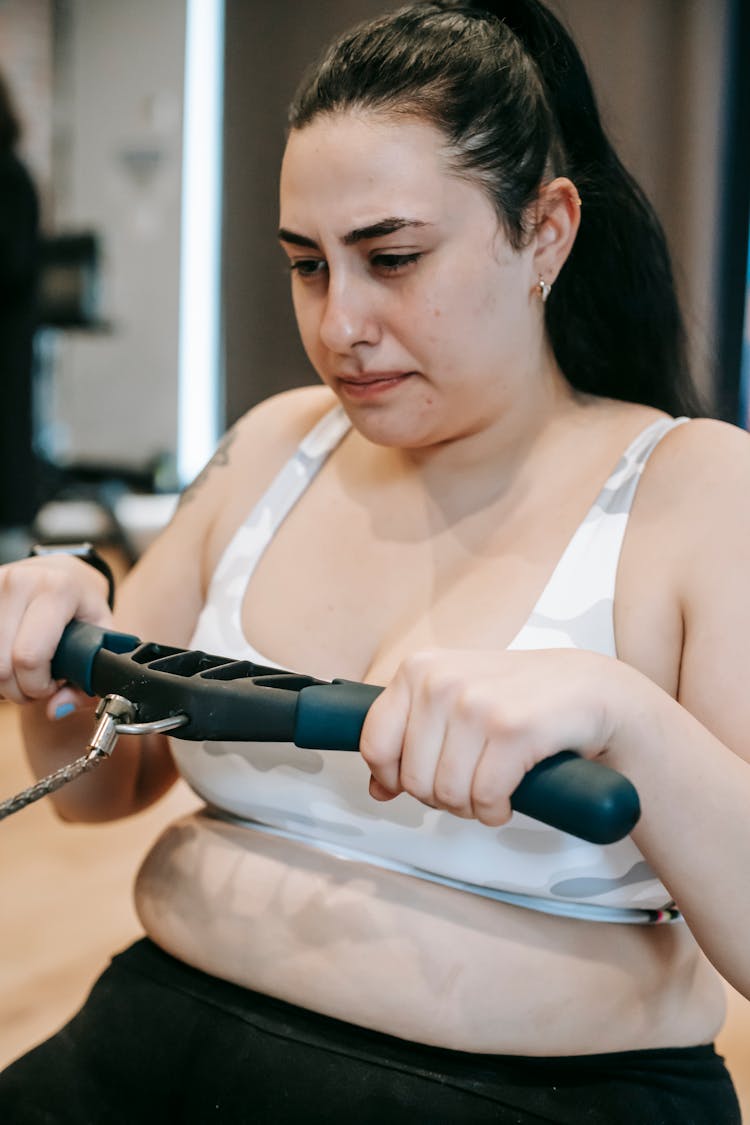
{"x":350,"y":316}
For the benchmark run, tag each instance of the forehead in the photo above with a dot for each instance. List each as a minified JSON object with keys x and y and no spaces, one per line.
{"x":349,"y":167}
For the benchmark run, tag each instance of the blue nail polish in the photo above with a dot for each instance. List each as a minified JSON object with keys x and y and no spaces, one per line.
{"x":64,"y":709}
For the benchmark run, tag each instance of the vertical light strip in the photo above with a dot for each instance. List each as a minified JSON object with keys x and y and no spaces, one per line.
{"x":199,"y":379}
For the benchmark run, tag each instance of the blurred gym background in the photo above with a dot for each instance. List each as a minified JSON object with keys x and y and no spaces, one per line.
{"x":153,"y":134}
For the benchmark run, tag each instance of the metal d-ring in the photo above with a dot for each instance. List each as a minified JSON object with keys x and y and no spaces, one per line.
{"x":156,"y":726}
{"x":110,"y":710}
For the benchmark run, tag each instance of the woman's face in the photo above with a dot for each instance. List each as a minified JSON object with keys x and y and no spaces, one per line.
{"x":411,"y":304}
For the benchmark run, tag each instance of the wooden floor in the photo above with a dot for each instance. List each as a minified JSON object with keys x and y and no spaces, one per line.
{"x":65,"y":907}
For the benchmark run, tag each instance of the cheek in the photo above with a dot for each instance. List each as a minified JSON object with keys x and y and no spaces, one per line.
{"x":446,"y":315}
{"x":460,"y":323}
{"x":492,"y":314}
{"x":466,"y":301}
{"x":308,"y":322}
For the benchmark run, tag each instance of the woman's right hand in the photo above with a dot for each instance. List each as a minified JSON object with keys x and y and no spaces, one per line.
{"x":38,"y":598}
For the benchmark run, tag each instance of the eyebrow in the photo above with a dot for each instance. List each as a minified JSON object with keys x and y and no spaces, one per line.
{"x":360,"y":234}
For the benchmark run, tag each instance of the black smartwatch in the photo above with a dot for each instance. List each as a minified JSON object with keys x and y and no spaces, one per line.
{"x":86,"y":553}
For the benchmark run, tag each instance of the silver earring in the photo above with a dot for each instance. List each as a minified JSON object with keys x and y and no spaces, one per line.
{"x":544,"y":288}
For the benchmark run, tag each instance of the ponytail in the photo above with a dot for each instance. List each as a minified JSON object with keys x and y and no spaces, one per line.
{"x":613,"y":316}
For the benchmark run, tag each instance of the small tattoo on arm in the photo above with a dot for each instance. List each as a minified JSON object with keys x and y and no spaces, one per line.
{"x":218,"y":461}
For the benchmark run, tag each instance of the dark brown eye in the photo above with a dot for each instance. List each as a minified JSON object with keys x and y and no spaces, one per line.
{"x":392,"y":263}
{"x":307,"y":267}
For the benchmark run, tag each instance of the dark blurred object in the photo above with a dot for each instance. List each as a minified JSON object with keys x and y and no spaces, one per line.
{"x":68,"y":291}
{"x":112,"y":505}
{"x":19,"y":261}
{"x":734,"y":228}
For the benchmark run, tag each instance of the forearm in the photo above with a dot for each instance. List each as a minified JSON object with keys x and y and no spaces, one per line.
{"x":139,"y":771}
{"x":695,"y":828}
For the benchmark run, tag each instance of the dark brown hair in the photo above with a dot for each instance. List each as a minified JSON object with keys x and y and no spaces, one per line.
{"x":506,"y":86}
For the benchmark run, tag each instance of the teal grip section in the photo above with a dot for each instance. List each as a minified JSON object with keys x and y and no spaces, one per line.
{"x":576,"y":795}
{"x":78,"y":648}
{"x":331,"y":716}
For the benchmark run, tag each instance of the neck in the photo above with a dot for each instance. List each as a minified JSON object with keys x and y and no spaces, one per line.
{"x":488,"y":460}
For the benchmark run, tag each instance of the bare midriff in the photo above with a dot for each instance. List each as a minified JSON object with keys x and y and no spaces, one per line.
{"x":409,"y":958}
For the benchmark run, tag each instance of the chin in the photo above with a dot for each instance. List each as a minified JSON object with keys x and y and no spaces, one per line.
{"x":392,"y":429}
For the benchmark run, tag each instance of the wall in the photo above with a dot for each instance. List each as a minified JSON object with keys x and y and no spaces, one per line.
{"x":658,"y":69}
{"x":119,"y":75}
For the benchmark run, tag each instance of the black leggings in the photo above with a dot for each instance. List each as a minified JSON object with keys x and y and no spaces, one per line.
{"x":160,"y":1042}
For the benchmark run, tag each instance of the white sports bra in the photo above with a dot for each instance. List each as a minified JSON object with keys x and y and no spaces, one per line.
{"x":321,"y":797}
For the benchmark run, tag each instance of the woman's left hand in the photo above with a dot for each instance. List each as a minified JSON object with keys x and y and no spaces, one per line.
{"x":458,"y":730}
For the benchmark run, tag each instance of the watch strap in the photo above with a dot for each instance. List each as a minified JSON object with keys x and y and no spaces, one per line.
{"x":87,"y":553}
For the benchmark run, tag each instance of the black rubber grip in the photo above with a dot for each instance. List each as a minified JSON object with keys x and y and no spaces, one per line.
{"x":566,"y":791}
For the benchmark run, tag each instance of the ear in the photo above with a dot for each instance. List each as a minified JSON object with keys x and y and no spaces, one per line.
{"x":556,"y":221}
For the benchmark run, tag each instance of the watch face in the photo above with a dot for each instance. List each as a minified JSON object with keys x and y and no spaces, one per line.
{"x":80,"y":550}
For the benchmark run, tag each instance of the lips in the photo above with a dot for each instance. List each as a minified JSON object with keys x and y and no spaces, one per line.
{"x":371,"y":386}
{"x":370,"y":378}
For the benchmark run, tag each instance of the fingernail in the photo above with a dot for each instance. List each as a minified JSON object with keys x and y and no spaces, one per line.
{"x":64,"y":709}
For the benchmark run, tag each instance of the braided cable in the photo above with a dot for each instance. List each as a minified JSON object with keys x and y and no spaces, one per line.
{"x":52,"y":782}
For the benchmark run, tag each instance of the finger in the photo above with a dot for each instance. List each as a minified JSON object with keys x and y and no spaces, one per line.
{"x":9,"y":688}
{"x":66,"y":701}
{"x":424,"y":736}
{"x":461,"y":751}
{"x":499,"y":771}
{"x":383,"y":735}
{"x":379,"y":792}
{"x":32,"y":598}
{"x":36,"y":640}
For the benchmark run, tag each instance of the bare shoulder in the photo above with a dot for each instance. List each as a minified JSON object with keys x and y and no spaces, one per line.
{"x":692,"y":503}
{"x":253,"y":452}
{"x":709,"y":439}
{"x":687,"y":550}
{"x":699,"y":469}
{"x":184,"y":555}
{"x":263,"y":438}
{"x":276,"y":426}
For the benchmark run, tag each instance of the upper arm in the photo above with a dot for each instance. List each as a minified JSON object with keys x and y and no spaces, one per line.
{"x":714,"y":682}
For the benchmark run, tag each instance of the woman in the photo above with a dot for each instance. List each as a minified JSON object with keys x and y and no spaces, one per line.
{"x":455,"y":514}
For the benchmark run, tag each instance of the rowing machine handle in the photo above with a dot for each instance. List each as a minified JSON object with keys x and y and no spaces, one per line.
{"x":234,"y":700}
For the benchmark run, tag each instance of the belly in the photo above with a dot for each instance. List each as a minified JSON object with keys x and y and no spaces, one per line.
{"x":414,"y":959}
